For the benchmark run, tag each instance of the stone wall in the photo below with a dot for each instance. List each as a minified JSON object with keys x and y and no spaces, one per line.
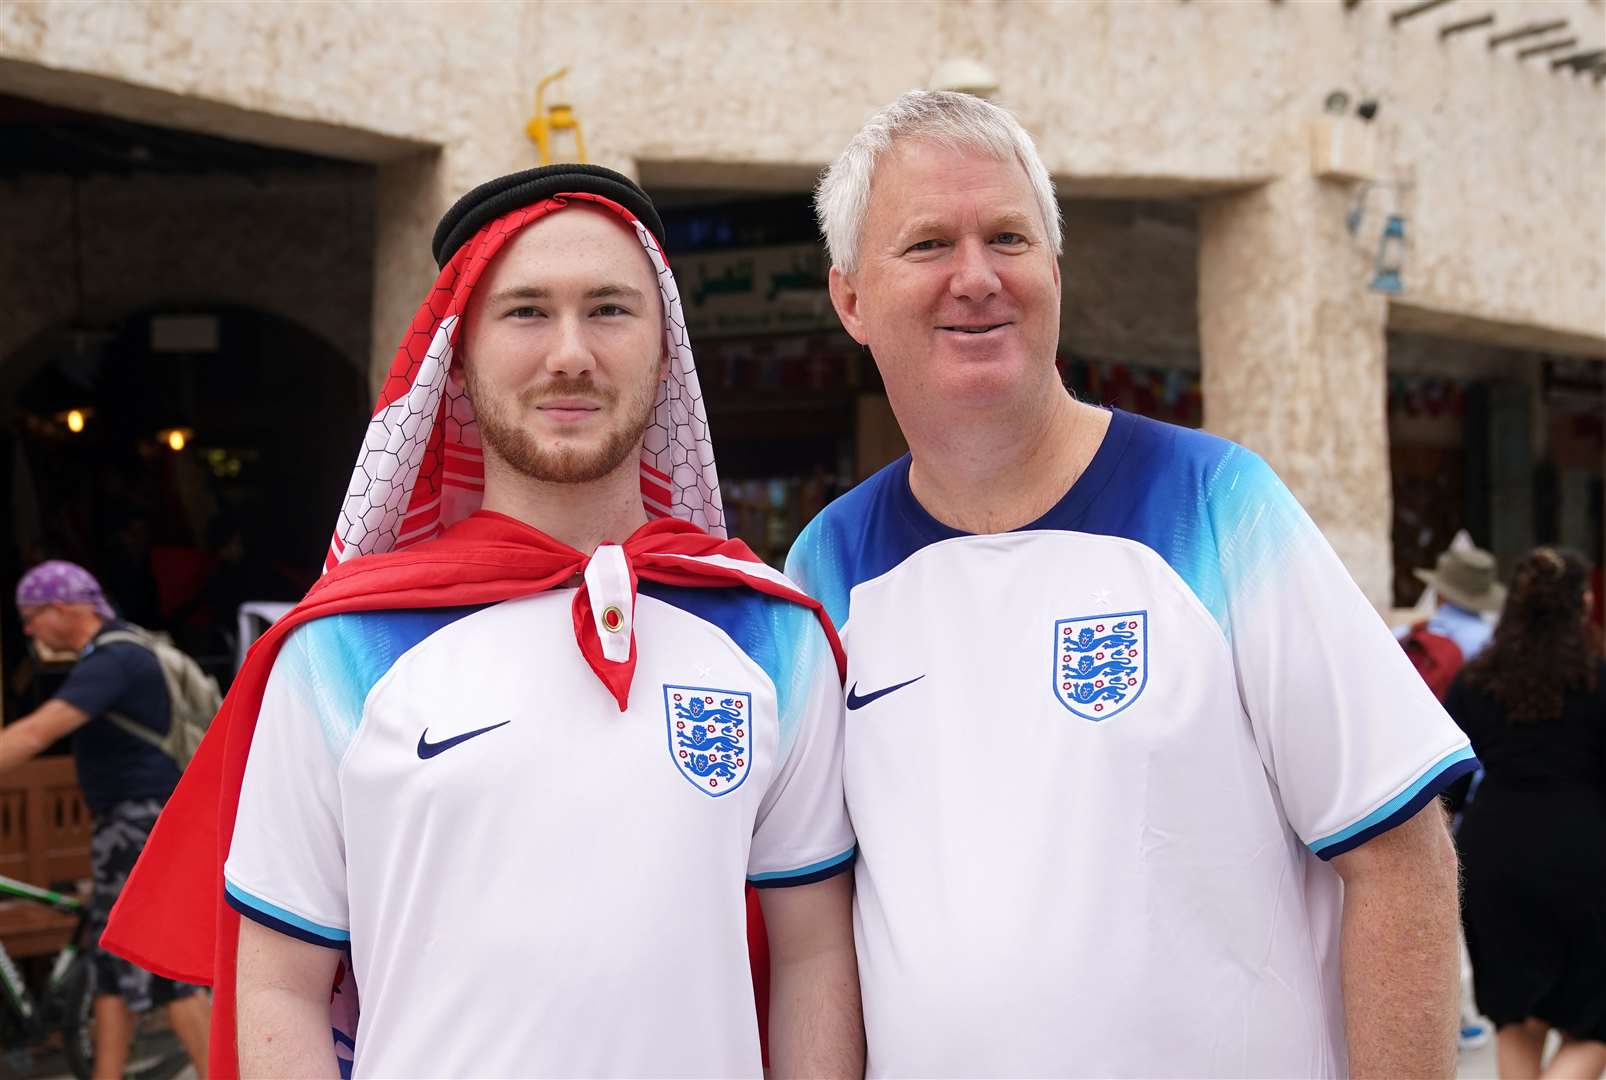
{"x":294,"y":245}
{"x":1502,"y":162}
{"x":1129,"y":282}
{"x":1498,"y":164}
{"x":299,"y":246}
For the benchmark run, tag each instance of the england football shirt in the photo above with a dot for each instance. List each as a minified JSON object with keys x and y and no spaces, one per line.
{"x":530,"y":882}
{"x":1096,"y":766}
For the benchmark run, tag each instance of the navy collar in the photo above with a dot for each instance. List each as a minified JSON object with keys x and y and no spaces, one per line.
{"x":1067,"y":514}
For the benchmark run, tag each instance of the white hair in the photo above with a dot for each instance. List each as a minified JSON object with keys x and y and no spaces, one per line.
{"x":955,"y":121}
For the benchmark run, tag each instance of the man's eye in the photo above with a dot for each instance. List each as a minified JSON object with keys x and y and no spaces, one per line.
{"x":524,"y":313}
{"x":1009,"y":239}
{"x":926,"y":245}
{"x":610,"y":309}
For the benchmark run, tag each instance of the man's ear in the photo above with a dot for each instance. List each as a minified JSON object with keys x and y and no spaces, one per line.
{"x":457,"y":372}
{"x":845,"y":298}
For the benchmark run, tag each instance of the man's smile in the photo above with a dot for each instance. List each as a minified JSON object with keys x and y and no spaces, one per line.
{"x":568,"y":409}
{"x":974,"y":329}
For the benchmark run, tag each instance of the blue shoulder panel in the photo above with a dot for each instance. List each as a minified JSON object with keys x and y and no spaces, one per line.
{"x":784,"y":639}
{"x":1215,"y":512}
{"x":339,"y":659}
{"x":1162,"y":486}
{"x":860,"y":536}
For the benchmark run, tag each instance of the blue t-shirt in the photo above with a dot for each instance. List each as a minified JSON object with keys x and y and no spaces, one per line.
{"x":1469,"y":630}
{"x":114,"y":766}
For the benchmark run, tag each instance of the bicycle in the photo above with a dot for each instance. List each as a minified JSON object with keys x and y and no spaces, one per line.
{"x":29,"y":1025}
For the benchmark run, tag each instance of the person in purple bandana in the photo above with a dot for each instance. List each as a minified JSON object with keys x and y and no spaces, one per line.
{"x":125,"y":780}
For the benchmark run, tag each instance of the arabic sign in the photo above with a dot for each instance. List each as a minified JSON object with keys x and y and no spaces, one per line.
{"x":755,"y":291}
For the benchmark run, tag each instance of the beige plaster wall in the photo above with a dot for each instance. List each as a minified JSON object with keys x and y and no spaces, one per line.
{"x":1294,"y":367}
{"x":1503,"y":167}
{"x":1505,"y":161}
{"x":1499,"y":165}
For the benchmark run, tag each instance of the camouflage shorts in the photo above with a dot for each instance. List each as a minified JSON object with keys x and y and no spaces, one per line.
{"x":119,"y":837}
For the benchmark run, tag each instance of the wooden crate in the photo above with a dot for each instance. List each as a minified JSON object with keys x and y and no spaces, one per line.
{"x":44,"y":840}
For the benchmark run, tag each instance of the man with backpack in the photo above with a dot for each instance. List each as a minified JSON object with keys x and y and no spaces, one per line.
{"x":134,"y":705}
{"x":1466,"y":582}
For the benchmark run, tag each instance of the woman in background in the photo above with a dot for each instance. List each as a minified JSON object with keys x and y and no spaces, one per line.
{"x":1533,"y":842}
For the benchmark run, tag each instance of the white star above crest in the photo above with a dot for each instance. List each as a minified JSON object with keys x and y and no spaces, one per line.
{"x":1102,"y":598}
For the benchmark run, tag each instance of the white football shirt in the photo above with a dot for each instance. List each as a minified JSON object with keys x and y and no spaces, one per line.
{"x":1096,"y":764}
{"x":530,"y":882}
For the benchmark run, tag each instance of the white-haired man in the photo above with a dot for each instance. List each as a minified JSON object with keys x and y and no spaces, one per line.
{"x":1113,"y":703}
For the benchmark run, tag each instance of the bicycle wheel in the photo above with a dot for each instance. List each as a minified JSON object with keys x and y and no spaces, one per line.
{"x":155,"y":1055}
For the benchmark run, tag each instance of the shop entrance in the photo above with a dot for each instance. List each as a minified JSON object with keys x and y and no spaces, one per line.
{"x":181,"y":369}
{"x":1504,"y":443}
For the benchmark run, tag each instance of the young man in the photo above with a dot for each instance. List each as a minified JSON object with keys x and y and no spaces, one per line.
{"x":514,"y":794}
{"x":1138,"y":775}
{"x":125,"y":780}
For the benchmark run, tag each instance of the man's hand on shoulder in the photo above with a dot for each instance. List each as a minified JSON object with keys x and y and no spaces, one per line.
{"x":1401,"y":951}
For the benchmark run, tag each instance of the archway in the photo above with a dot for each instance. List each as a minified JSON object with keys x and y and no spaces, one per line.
{"x":180,"y":530}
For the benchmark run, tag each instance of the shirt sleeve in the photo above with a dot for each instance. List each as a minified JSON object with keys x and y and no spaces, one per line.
{"x":287,"y":863}
{"x":96,"y":682}
{"x":802,"y":834}
{"x":1353,"y":738}
{"x":815,"y":564}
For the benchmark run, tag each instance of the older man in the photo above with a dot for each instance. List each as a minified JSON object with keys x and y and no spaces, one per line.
{"x":1141,"y":783}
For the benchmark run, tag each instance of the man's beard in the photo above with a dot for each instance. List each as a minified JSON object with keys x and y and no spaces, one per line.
{"x":503,"y":435}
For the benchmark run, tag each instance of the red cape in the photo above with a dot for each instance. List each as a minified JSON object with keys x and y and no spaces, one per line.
{"x":172,"y":919}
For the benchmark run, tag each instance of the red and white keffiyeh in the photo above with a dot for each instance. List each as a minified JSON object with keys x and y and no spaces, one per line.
{"x":421,"y":468}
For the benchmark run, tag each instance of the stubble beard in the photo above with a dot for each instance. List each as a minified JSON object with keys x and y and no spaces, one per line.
{"x":503,"y":435}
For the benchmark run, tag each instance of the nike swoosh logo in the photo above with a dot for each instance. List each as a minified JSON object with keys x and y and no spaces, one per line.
{"x":857,"y":702}
{"x":427,"y":749}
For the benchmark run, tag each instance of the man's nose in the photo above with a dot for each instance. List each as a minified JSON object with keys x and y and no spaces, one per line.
{"x":570,"y":353}
{"x":974,"y":277}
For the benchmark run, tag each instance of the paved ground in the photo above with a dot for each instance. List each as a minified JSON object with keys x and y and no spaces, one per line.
{"x":1475,"y":1065}
{"x":1478,"y":1064}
